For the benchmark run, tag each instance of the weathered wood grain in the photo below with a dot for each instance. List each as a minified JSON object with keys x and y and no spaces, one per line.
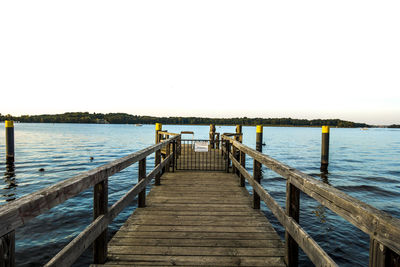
{"x":378,"y":224}
{"x":20,"y":211}
{"x":79,"y":244}
{"x":316,"y":254}
{"x":191,"y":229}
{"x":7,"y":250}
{"x":100,"y":206}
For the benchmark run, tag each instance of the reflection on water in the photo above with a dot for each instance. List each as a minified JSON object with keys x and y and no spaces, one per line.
{"x":320,"y":210}
{"x":363,"y":164}
{"x":324,"y":177}
{"x":320,"y":213}
{"x":10,"y":182}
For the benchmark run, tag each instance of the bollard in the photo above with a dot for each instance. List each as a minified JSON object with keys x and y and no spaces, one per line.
{"x":325,"y":149}
{"x":9,"y":141}
{"x":257,"y":165}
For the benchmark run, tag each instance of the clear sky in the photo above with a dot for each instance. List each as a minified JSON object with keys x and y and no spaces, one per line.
{"x":299,"y":59}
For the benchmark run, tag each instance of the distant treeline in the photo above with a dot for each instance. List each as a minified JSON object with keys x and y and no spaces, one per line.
{"x":123,"y":118}
{"x":394,"y":126}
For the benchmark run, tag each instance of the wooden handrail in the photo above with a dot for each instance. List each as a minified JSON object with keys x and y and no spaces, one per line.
{"x":79,"y":244}
{"x":187,"y":132}
{"x":168,"y":133}
{"x":379,"y":225}
{"x":316,"y":254}
{"x":20,"y":211}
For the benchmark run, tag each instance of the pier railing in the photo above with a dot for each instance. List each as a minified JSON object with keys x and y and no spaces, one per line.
{"x":19,"y":212}
{"x":383,"y":229}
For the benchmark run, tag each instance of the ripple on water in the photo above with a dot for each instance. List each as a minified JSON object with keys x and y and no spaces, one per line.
{"x":364,"y":164}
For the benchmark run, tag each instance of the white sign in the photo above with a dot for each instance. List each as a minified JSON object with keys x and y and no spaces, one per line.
{"x":201,"y":146}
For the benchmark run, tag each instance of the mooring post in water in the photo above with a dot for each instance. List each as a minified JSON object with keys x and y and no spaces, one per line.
{"x":257,"y":165}
{"x":325,"y":149}
{"x":9,"y":141}
{"x":212,"y":135}
{"x":158,"y":154}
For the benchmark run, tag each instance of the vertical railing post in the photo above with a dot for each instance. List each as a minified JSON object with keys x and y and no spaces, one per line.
{"x":257,"y":166}
{"x":163,"y":156}
{"x":292,"y":210}
{"x":157,"y":159}
{"x":227,"y":148}
{"x":241,"y":156}
{"x":175,"y":155}
{"x":167,"y":153}
{"x":218,"y":141}
{"x":100,"y":206}
{"x":212,"y":136}
{"x":10,"y":153}
{"x":7,"y":249}
{"x":325,"y":149}
{"x":141,"y":176}
{"x":382,"y":256}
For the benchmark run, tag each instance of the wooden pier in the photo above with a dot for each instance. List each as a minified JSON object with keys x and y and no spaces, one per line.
{"x":198,"y":212}
{"x":195,"y":219}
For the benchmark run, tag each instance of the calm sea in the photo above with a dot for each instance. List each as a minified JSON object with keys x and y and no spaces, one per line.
{"x":363,"y":163}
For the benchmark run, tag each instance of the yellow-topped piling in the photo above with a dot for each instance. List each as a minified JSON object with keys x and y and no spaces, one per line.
{"x":325,"y":149}
{"x":9,"y":124}
{"x":9,"y":141}
{"x":257,"y":165}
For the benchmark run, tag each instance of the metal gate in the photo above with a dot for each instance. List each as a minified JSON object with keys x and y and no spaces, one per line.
{"x":201,"y":154}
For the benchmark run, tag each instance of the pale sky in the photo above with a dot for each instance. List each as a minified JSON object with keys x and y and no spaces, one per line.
{"x":299,"y":59}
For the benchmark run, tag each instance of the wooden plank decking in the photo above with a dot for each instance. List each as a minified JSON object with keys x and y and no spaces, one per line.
{"x":196,"y":219}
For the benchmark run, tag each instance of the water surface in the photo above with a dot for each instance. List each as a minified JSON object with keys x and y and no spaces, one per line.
{"x":364,"y":164}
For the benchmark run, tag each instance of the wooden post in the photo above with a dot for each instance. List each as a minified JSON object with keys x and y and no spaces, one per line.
{"x":158,"y":129}
{"x":218,"y":141}
{"x":212,"y":136}
{"x":167,"y":153}
{"x":241,"y":156}
{"x":257,"y":166}
{"x":7,"y":250}
{"x":325,"y":149}
{"x":100,"y":206}
{"x":382,"y":256}
{"x":239,"y":131}
{"x":142,"y":175}
{"x":292,"y":210}
{"x":227,"y":148}
{"x":175,"y":155}
{"x":7,"y":242}
{"x":9,"y":141}
{"x":157,"y":159}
